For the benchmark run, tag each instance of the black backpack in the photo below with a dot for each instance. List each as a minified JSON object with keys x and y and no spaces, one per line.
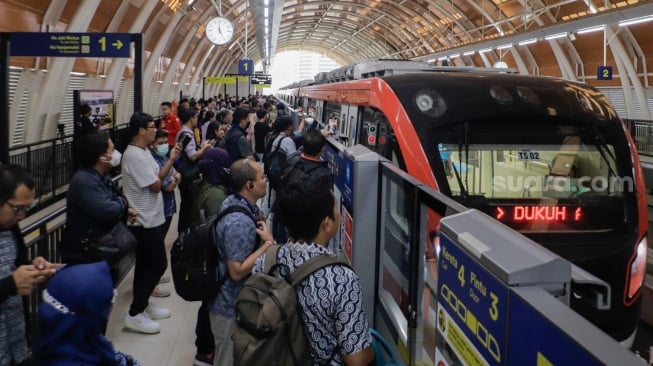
{"x":277,"y":163}
{"x":194,"y":259}
{"x":270,"y":329}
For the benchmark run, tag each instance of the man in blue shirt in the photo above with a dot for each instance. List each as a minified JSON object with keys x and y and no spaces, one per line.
{"x":236,"y":240}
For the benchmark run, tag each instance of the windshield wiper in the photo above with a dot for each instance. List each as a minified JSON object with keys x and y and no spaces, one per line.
{"x":463,"y":186}
{"x":602,"y":146}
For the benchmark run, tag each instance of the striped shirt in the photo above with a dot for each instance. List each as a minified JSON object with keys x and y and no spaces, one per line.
{"x":139,"y":171}
{"x":13,"y":345}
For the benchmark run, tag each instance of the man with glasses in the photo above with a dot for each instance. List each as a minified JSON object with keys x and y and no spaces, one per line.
{"x":17,"y":277}
{"x":142,"y":183}
{"x":237,"y":238}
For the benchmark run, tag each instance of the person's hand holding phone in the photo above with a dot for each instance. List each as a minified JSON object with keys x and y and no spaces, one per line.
{"x":185,"y":140}
{"x":176,"y":151}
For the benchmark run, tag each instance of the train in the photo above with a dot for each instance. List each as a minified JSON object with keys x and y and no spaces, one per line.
{"x":548,"y":157}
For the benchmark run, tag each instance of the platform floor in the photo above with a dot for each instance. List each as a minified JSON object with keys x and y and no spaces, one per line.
{"x":175,"y":344}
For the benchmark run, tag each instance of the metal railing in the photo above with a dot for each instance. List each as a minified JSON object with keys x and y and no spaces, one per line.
{"x":51,"y":165}
{"x":642,"y":133}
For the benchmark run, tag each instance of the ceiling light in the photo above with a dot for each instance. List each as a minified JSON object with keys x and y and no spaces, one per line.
{"x":442,"y":58}
{"x":555,"y":36}
{"x":266,"y":12}
{"x":590,"y":29}
{"x":191,"y":2}
{"x":266,"y":22}
{"x":528,"y":41}
{"x":468,"y":53}
{"x":266,"y":30}
{"x":454,"y":55}
{"x":503,"y":47}
{"x":431,"y":60}
{"x":636,"y":21}
{"x":485,"y":50}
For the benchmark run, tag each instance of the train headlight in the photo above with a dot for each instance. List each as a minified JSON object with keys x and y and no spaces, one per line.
{"x":430,"y":103}
{"x":637,"y":270}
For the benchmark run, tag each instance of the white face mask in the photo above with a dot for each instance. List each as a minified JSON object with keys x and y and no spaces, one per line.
{"x":115,"y":158}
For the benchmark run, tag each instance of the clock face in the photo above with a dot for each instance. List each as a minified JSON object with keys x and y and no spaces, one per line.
{"x":219,"y":30}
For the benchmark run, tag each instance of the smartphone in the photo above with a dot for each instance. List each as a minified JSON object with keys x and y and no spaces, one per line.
{"x":185,"y":140}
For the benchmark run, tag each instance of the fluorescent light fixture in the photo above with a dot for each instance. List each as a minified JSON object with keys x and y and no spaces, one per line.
{"x":555,"y":36}
{"x":266,"y":30}
{"x":454,"y":55}
{"x":636,"y":21}
{"x":266,"y":2}
{"x":590,"y":29}
{"x":442,"y":58}
{"x":528,"y":41}
{"x":266,"y":12}
{"x":75,"y":73}
{"x":431,"y":60}
{"x":266,"y":22}
{"x":504,"y":46}
{"x":484,"y":50}
{"x":468,"y":53}
{"x":191,"y":2}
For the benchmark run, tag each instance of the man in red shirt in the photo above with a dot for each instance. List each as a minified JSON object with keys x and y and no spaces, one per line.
{"x":169,"y":122}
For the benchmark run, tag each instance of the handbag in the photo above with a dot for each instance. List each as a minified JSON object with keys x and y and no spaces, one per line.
{"x":382,"y":352}
{"x":111,"y":245}
{"x":189,"y":170}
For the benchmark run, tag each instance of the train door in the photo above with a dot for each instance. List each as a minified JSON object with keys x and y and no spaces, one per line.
{"x":348,"y":121}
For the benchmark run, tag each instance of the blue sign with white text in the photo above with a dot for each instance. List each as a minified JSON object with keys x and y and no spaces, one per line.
{"x":604,"y":73}
{"x":472,"y":309}
{"x":38,"y":44}
{"x":245,"y":67}
{"x":343,"y":173}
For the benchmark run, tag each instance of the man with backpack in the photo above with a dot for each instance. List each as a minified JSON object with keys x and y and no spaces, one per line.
{"x":240,"y":239}
{"x":329,"y":299}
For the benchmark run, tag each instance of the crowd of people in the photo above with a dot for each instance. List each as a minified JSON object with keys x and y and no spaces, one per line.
{"x":213,"y":153}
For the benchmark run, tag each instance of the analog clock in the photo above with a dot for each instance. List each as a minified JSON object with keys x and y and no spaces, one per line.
{"x":219,"y":30}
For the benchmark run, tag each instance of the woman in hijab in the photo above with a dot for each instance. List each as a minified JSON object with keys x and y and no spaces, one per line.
{"x":75,"y":309}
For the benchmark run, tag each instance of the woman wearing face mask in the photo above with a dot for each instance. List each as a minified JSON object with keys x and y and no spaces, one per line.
{"x":159,"y":149}
{"x":92,"y":203}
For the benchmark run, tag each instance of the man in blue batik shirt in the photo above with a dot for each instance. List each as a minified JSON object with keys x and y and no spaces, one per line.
{"x":331,"y":298}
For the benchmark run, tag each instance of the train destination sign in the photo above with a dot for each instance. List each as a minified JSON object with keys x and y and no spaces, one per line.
{"x":39,"y":44}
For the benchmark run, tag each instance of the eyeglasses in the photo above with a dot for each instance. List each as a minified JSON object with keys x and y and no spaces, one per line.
{"x":20,"y":209}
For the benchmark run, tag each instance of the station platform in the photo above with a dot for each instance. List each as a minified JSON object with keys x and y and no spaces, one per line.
{"x":175,"y":344}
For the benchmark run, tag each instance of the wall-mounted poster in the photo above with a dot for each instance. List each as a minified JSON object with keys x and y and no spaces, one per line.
{"x":102,"y":107}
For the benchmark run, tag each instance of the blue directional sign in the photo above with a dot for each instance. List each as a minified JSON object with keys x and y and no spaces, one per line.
{"x":114,"y":45}
{"x":472,"y":309}
{"x":604,"y":73}
{"x":245,"y":67}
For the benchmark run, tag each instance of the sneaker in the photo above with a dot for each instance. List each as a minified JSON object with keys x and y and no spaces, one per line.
{"x":155,"y":312}
{"x":142,"y":323}
{"x":160,"y":292}
{"x":203,"y":360}
{"x":164,"y":279}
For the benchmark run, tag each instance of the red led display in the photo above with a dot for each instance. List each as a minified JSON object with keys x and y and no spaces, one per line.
{"x":528,"y":213}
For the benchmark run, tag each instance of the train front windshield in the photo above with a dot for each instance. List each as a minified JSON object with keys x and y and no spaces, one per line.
{"x":539,"y":177}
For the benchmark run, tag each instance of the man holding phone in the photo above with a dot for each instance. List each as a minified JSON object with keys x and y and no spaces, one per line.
{"x":188,"y":118}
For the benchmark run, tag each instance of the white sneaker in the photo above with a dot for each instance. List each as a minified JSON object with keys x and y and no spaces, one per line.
{"x":142,"y":323}
{"x":156,"y":312}
{"x":164,"y":279}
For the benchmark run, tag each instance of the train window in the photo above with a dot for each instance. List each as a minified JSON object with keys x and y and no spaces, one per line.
{"x":564,"y":182}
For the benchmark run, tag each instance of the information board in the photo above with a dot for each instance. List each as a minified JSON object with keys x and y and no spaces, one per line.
{"x":472,"y":311}
{"x":604,"y":73}
{"x":38,"y":44}
{"x":224,"y":79}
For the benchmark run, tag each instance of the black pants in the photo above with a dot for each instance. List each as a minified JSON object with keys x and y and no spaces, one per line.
{"x":151,"y":262}
{"x":185,"y":206}
{"x":204,"y":337}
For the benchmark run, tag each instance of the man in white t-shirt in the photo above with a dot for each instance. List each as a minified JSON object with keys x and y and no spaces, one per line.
{"x":142,"y":182}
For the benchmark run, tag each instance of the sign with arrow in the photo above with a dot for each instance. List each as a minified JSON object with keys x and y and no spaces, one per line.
{"x":39,"y":44}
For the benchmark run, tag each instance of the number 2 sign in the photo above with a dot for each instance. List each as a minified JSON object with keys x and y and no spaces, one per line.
{"x":604,"y":73}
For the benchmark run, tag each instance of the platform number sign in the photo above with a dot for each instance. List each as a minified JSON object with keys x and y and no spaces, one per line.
{"x":245,"y":67}
{"x":604,"y":73}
